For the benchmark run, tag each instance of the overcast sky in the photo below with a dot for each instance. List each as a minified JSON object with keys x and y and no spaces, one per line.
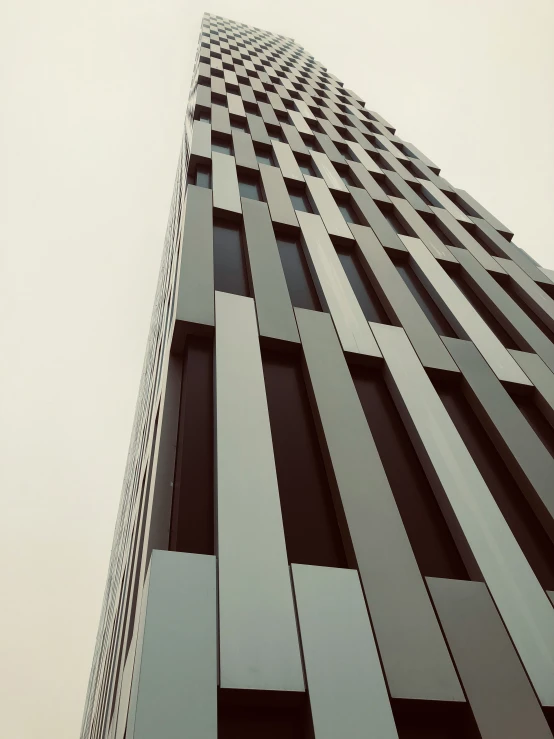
{"x":92,"y":105}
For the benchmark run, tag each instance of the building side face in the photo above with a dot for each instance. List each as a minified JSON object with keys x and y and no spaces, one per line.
{"x":337,"y":516}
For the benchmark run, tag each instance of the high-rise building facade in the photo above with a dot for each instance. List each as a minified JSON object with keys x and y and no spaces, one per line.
{"x":338,"y":512}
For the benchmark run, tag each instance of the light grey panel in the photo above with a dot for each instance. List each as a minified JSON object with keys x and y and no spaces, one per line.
{"x":276,"y":102}
{"x":461,"y":238}
{"x":350,"y":322}
{"x":287,"y":162}
{"x":483,"y":212}
{"x":268,"y":114}
{"x":236,"y":106}
{"x":469,"y":508}
{"x":299,"y":122}
{"x":413,"y":652}
{"x":294,"y":139}
{"x":541,"y":377}
{"x":360,"y":137}
{"x":195,"y":292}
{"x":370,"y":213}
{"x":304,"y":109}
{"x":175,"y":678}
{"x":461,"y":313}
{"x":203,"y":98}
{"x":397,"y":166}
{"x":535,"y":297}
{"x":226,"y":193}
{"x":406,"y":213}
{"x":331,"y":131}
{"x":257,"y":627}
{"x":394,"y":293}
{"x":325,"y":168}
{"x":548,"y":272}
{"x":328,"y":209}
{"x":277,"y":197}
{"x":438,"y":195}
{"x":522,"y":450}
{"x":247,"y":94}
{"x":394,"y":150}
{"x":273,"y":307}
{"x":363,"y":157}
{"x":220,"y":120}
{"x":201,"y":145}
{"x":397,"y":183}
{"x":329,"y":148}
{"x":419,"y":155}
{"x":257,"y":129}
{"x":368,"y":182}
{"x":245,"y":156}
{"x":498,"y":690}
{"x":507,"y":311}
{"x":426,"y":173}
{"x":348,"y":696}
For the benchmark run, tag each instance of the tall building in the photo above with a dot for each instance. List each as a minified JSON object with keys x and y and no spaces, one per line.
{"x":337,"y":517}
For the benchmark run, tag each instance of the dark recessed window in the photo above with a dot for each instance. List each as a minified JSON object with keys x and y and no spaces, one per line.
{"x":347,"y":178}
{"x":301,"y":287}
{"x":385,"y":185}
{"x":249,"y":187}
{"x":221,"y":146}
{"x":390,"y":215}
{"x":300,"y":201}
{"x":305,"y":168}
{"x":205,"y":117}
{"x":264,"y":157}
{"x":362,"y":287}
{"x":230,"y":274}
{"x":238,"y":125}
{"x":425,"y":301}
{"x":275,"y":135}
{"x":348,"y":212}
{"x":203,"y":176}
{"x":439,"y":233}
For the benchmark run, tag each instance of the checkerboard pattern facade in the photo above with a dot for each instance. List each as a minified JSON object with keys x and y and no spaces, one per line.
{"x":338,"y":510}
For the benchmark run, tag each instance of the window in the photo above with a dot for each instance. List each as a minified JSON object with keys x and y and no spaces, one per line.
{"x":203,"y":116}
{"x":306,"y":168}
{"x":203,"y":176}
{"x":297,"y":274}
{"x":229,"y":264}
{"x":264,"y":157}
{"x":348,"y":212}
{"x":221,"y":146}
{"x":390,"y":215}
{"x":238,"y":125}
{"x":275,"y":135}
{"x":249,"y":187}
{"x":347,"y":178}
{"x":435,"y":228}
{"x":300,"y":201}
{"x":426,"y":303}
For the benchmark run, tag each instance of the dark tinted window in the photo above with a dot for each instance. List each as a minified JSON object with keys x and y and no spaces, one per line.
{"x":348,"y":213}
{"x":300,"y":201}
{"x":264,"y":158}
{"x":229,"y":264}
{"x":238,"y":125}
{"x":363,"y":289}
{"x":346,"y":177}
{"x":426,"y":303}
{"x":221,"y":146}
{"x":305,"y":168}
{"x":203,"y":176}
{"x":297,"y":274}
{"x":249,"y":188}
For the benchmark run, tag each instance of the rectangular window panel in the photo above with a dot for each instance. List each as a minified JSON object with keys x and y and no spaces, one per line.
{"x":264,"y":158}
{"x":230,"y":274}
{"x":249,"y":188}
{"x":297,"y":274}
{"x":522,"y":303}
{"x":348,"y":213}
{"x":425,"y":301}
{"x":203,"y":176}
{"x":363,"y":289}
{"x":529,"y":533}
{"x":192,"y":524}
{"x":300,"y":201}
{"x":306,"y":169}
{"x":434,"y":720}
{"x":221,"y":146}
{"x":347,"y":179}
{"x":429,"y":535}
{"x":309,"y":520}
{"x":269,"y":714}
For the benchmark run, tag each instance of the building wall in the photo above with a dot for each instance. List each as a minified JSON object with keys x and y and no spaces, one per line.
{"x":341,"y":470}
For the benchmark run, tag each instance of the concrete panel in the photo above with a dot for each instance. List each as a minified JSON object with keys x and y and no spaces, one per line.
{"x":498,"y":690}
{"x":363,"y":157}
{"x":535,"y":297}
{"x":436,"y":194}
{"x":225,"y":184}
{"x":236,"y":106}
{"x":542,"y":378}
{"x":175,"y":677}
{"x":406,"y":213}
{"x":268,"y":114}
{"x":294,"y":140}
{"x":277,"y":197}
{"x":484,"y":213}
{"x":329,"y":148}
{"x":414,"y":656}
{"x":397,"y":183}
{"x":492,"y":552}
{"x":370,"y":213}
{"x":201,"y":144}
{"x":368,"y":182}
{"x":257,"y":627}
{"x":328,"y":209}
{"x":462,"y":314}
{"x":348,"y":696}
{"x":325,"y":169}
{"x":257,"y":129}
{"x":221,"y":123}
{"x":299,"y":122}
{"x":245,"y":155}
{"x":461,"y":238}
{"x":287,"y":163}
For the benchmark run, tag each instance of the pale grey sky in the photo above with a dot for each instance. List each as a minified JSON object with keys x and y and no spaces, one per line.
{"x":93,"y":98}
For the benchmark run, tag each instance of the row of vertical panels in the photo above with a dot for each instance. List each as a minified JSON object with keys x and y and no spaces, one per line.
{"x":362,"y":515}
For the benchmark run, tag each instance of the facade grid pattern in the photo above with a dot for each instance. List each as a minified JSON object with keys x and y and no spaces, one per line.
{"x":337,"y":518}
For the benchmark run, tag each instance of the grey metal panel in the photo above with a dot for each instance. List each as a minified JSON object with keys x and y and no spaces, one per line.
{"x":325,"y":168}
{"x":201,"y":145}
{"x":195,"y":296}
{"x":419,"y":155}
{"x":426,"y":173}
{"x":304,"y":109}
{"x":247,"y":94}
{"x":406,"y":191}
{"x":483,"y":212}
{"x":287,"y":162}
{"x":348,"y":696}
{"x":273,"y":307}
{"x":299,"y":122}
{"x":268,"y":114}
{"x":462,"y":313}
{"x":439,"y":250}
{"x":389,"y":145}
{"x":236,"y":106}
{"x":437,"y":194}
{"x":505,"y":309}
{"x":350,"y":323}
{"x":413,"y":652}
{"x":548,"y":272}
{"x":522,"y":450}
{"x":203,"y":97}
{"x":360,"y":137}
{"x":498,"y":690}
{"x":363,"y":157}
{"x":258,"y":638}
{"x":471,"y":510}
{"x":541,"y":377}
{"x":175,"y":678}
{"x":397,"y":166}
{"x":218,"y":87}
{"x":369,"y":212}
{"x":245,"y":155}
{"x":510,"y":250}
{"x":536,"y":298}
{"x":328,"y":209}
{"x":225,"y":183}
{"x":368,"y":182}
{"x":294,"y":139}
{"x":329,"y":148}
{"x":220,"y":120}
{"x":257,"y":129}
{"x":463,"y":238}
{"x":277,"y":196}
{"x":395,"y":294}
{"x":331,"y":131}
